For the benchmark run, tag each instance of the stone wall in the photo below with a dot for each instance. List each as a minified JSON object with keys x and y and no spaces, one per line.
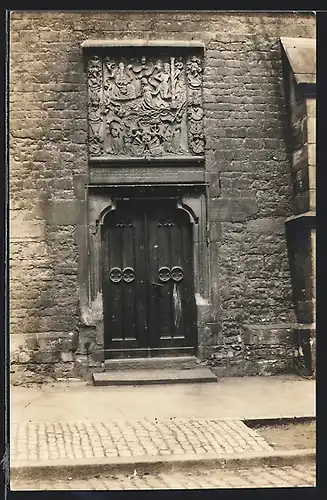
{"x":247,"y":168}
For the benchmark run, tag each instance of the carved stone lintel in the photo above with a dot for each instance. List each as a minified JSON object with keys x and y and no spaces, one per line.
{"x":145,"y":107}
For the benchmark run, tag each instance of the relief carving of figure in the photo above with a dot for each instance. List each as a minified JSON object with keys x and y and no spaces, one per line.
{"x":160,"y":79}
{"x":150,"y":140}
{"x":116,"y":137}
{"x":177,"y":88}
{"x":147,"y":95}
{"x":95,"y":141}
{"x":194,"y":97}
{"x":95,"y":125}
{"x":144,"y":140}
{"x":194,"y":72}
{"x":166,"y":135}
{"x":164,"y":86}
{"x":94,"y":109}
{"x":146,"y":106}
{"x":121,"y":81}
{"x":151,"y":97}
{"x":94,"y":74}
{"x":142,"y":69}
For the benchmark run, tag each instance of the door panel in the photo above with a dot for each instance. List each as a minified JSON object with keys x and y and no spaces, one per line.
{"x":148,"y":289}
{"x":171,"y":313}
{"x":124,"y":297}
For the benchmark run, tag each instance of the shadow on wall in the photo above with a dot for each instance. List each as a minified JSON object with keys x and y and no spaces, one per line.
{"x":274,"y":64}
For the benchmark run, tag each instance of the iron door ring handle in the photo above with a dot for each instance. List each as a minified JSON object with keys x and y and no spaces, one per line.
{"x":164,"y":274}
{"x":128,"y":274}
{"x":177,"y":273}
{"x":115,"y":274}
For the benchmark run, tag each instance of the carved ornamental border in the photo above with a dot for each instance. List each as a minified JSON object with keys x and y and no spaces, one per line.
{"x":144,"y":100}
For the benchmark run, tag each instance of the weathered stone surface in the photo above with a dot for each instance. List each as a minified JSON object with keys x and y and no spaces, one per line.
{"x":136,"y":175}
{"x":64,"y":213}
{"x":301,"y":53}
{"x":311,"y":128}
{"x":266,"y":225}
{"x":250,"y":190}
{"x":268,"y":335}
{"x":232,"y":209}
{"x":215,"y":231}
{"x":144,"y":106}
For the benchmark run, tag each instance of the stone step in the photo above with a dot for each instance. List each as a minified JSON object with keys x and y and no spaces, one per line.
{"x":177,"y":363}
{"x":151,"y":377}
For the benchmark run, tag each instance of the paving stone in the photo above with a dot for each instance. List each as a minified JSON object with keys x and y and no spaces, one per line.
{"x":256,"y":477}
{"x":126,"y":438}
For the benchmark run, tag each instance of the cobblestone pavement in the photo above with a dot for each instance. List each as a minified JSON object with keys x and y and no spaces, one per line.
{"x":92,"y":439}
{"x":257,"y":477}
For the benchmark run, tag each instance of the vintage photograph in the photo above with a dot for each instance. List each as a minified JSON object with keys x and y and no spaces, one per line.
{"x":162,"y":176}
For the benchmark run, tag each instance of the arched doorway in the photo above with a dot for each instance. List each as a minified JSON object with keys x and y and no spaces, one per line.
{"x":147,"y":280}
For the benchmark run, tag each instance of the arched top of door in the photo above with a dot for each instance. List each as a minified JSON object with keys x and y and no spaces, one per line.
{"x":109,"y":209}
{"x":189,"y":211}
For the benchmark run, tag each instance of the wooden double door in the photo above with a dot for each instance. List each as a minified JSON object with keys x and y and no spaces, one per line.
{"x":147,"y":280}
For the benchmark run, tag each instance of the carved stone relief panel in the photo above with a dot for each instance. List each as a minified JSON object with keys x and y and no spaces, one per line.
{"x":145,"y":106}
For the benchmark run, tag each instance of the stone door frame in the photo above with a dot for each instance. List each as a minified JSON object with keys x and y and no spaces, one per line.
{"x":100,"y":200}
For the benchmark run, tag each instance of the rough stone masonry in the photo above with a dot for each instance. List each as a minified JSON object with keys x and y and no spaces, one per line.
{"x":249,"y":328}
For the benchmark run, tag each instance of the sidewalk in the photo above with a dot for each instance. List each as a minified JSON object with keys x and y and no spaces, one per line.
{"x":73,"y":426}
{"x":237,"y":398}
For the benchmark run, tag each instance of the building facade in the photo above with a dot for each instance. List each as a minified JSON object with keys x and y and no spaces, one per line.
{"x":162,"y":190}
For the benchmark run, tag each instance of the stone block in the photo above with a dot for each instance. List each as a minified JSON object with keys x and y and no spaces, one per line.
{"x":216,"y":333}
{"x":204,"y":336}
{"x":311,"y":107}
{"x":214,"y":184}
{"x":20,"y":341}
{"x":64,"y":341}
{"x":80,"y":181}
{"x":81,"y":364}
{"x":96,"y":357}
{"x":51,"y":356}
{"x":23,"y":226}
{"x":266,"y":225}
{"x":214,"y":231}
{"x":64,"y":213}
{"x":203,"y":309}
{"x":67,"y":357}
{"x":232,"y":209}
{"x":312,"y":199}
{"x":312,"y":154}
{"x":311,"y":128}
{"x":24,"y":356}
{"x":268,"y":335}
{"x":32,"y":343}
